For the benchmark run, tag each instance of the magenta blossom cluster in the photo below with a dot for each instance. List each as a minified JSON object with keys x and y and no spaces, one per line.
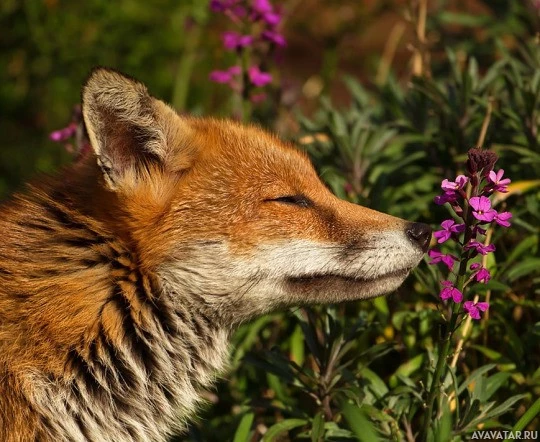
{"x":73,"y":136}
{"x":468,"y":196}
{"x":65,"y":133}
{"x":257,"y":22}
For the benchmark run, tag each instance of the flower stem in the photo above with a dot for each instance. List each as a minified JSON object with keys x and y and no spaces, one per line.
{"x":442,"y":357}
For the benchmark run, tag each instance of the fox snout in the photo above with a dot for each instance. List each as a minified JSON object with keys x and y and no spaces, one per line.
{"x":236,"y":214}
{"x":419,"y":234}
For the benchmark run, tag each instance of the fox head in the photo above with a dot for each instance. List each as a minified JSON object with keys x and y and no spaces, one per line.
{"x":230,"y":213}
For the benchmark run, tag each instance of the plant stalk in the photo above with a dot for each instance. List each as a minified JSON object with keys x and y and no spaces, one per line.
{"x":443,"y":353}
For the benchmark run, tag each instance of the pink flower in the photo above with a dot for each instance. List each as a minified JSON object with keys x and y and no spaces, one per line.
{"x":271,"y":18}
{"x":225,"y":76}
{"x":233,"y":40}
{"x":474,"y":308}
{"x":482,"y":274}
{"x":264,"y":10}
{"x":452,"y":186}
{"x":449,"y":227}
{"x":63,"y":134}
{"x":448,"y":197}
{"x":262,"y":6}
{"x":274,"y":37}
{"x":482,"y":208}
{"x":257,"y":77}
{"x":498,"y":183}
{"x":437,"y":257}
{"x":479,"y":247}
{"x":478,"y":229}
{"x":449,"y":291}
{"x":502,"y":219}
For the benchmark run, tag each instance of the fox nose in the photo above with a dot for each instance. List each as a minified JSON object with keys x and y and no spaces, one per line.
{"x":419,"y":234}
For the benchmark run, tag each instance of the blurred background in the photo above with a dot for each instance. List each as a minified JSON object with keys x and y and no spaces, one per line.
{"x":49,"y":46}
{"x":386,"y":96}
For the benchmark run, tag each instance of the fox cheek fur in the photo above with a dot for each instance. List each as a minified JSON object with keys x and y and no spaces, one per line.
{"x":122,"y":278}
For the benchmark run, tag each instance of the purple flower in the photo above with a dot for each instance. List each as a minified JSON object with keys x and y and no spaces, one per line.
{"x":271,"y":18}
{"x":449,"y":227}
{"x":233,"y":40}
{"x":225,"y":76}
{"x":474,"y":308}
{"x":498,"y":183}
{"x":437,"y":257}
{"x":478,"y":229}
{"x":449,"y":291}
{"x":262,"y":6}
{"x":274,"y":37}
{"x":479,"y":247}
{"x":448,"y":197}
{"x":502,"y":219}
{"x":257,"y":77}
{"x":63,"y":134}
{"x":451,"y":186}
{"x":482,"y":274}
{"x":264,"y":10}
{"x":482,"y":208}
{"x":220,"y":76}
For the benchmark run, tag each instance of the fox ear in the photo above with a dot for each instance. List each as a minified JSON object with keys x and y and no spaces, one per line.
{"x":126,"y":126}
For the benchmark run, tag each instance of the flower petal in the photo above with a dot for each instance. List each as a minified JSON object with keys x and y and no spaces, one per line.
{"x":483,"y":306}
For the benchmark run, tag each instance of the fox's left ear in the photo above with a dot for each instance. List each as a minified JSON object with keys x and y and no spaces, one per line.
{"x":128,"y":129}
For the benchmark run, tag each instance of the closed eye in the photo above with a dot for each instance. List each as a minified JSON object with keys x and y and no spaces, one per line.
{"x":296,"y":200}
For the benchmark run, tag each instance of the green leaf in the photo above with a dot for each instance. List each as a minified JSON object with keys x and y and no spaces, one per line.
{"x":474,"y":376}
{"x":250,"y":335}
{"x":497,"y":411}
{"x":488,"y":352}
{"x":282,"y":427}
{"x":527,"y":417}
{"x":531,"y":265}
{"x":493,"y":383}
{"x":244,"y":428}
{"x":317,"y":428}
{"x":526,"y":245}
{"x":376,"y":384}
{"x":407,"y":368}
{"x":381,"y":305}
{"x":359,"y":423}
{"x":297,"y":346}
{"x":443,"y":425}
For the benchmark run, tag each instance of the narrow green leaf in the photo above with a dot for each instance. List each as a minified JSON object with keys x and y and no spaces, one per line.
{"x":531,"y":265}
{"x":359,"y":423}
{"x":528,"y":416}
{"x":474,"y":376}
{"x":317,"y":428}
{"x":282,"y":427}
{"x":297,"y":346}
{"x":493,"y":383}
{"x":244,"y":428}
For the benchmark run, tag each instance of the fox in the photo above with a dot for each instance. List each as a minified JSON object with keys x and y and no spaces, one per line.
{"x":123,"y":276}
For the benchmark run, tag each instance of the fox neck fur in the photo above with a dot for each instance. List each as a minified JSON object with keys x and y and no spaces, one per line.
{"x":120,"y":357}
